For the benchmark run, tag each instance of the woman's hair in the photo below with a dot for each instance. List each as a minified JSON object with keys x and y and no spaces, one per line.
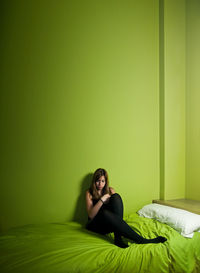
{"x":93,"y":189}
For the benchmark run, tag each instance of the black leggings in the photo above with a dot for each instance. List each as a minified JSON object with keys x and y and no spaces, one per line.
{"x":110,"y":219}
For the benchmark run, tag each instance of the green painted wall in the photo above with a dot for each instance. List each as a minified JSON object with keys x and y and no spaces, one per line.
{"x":193,"y":100}
{"x":172,"y":98}
{"x":79,"y":90}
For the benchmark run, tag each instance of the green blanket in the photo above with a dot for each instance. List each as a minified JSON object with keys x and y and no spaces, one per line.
{"x":69,"y":248}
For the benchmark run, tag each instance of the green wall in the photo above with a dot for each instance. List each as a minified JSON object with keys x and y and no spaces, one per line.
{"x":172,"y":98}
{"x":79,"y":90}
{"x":89,"y":84}
{"x":193,"y":100}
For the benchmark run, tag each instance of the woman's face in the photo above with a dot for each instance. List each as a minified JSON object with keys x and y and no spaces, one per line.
{"x":100,"y":183}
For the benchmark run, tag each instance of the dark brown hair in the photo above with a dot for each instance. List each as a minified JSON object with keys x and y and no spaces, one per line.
{"x":93,"y":189}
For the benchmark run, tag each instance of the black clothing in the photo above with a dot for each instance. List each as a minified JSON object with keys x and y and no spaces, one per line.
{"x":110,"y":219}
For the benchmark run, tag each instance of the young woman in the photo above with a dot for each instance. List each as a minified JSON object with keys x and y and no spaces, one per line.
{"x":105,"y":212}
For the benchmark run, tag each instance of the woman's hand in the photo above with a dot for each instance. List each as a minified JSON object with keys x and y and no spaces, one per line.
{"x":105,"y":197}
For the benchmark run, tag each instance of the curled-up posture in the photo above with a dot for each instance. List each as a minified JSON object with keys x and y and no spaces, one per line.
{"x":105,"y":212}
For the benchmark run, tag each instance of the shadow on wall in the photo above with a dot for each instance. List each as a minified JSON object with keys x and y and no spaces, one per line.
{"x":80,"y":213}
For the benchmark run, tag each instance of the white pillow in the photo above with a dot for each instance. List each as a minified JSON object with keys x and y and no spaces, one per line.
{"x":183,"y":221}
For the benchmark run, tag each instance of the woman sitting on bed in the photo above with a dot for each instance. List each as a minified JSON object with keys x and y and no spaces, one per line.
{"x":105,"y":212}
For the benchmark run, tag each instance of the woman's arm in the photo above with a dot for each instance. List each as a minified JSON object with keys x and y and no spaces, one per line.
{"x":93,"y":210}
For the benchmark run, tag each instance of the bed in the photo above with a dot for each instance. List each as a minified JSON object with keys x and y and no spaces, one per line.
{"x":70,"y":248}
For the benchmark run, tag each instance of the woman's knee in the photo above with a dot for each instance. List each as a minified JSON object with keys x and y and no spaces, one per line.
{"x":116,"y":196}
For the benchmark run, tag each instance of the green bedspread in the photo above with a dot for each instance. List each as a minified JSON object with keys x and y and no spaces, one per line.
{"x":69,"y":248}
